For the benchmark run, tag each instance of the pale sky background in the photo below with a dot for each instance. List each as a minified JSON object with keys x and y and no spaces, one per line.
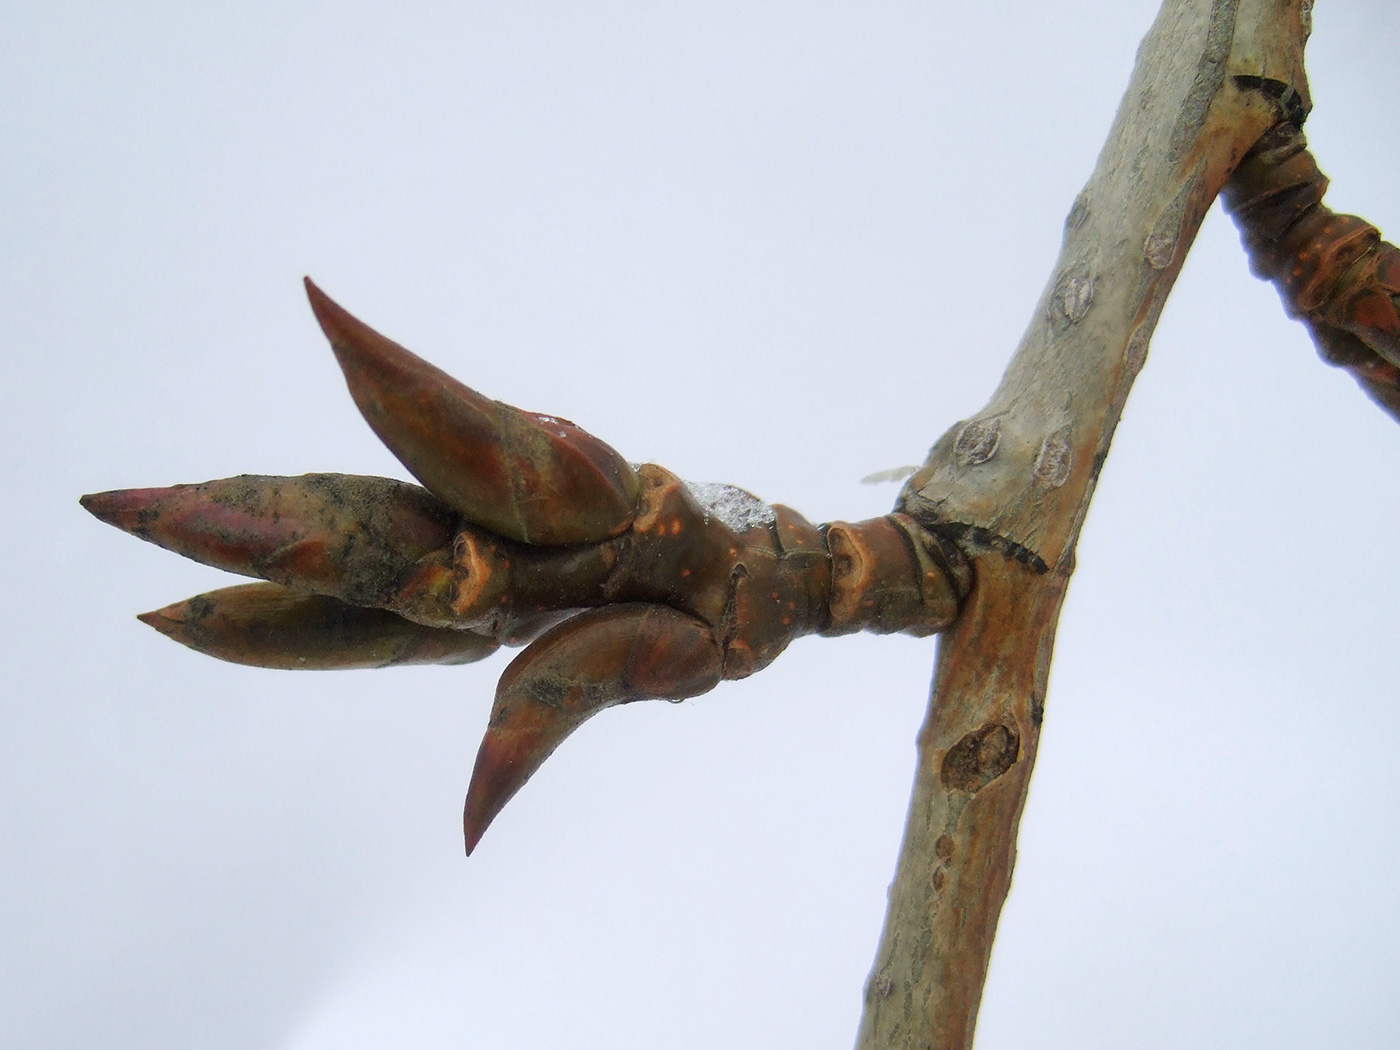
{"x":780,"y":244}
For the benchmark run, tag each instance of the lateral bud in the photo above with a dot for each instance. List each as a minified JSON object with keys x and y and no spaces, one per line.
{"x":268,"y":625}
{"x":594,"y":661}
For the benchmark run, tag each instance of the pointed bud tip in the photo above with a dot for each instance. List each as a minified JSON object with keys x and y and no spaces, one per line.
{"x":120,"y":508}
{"x":330,"y":315}
{"x":477,"y":817}
{"x":314,"y":295}
{"x":98,"y":504}
{"x":162,"y":621}
{"x":503,"y":764}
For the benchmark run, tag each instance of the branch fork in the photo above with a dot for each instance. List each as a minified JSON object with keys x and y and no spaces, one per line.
{"x":625,"y":583}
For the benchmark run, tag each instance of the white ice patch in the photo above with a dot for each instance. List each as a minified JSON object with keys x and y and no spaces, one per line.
{"x":732,"y":505}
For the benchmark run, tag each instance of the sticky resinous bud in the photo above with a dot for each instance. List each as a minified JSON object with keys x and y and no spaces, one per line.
{"x":268,"y":625}
{"x":526,"y":476}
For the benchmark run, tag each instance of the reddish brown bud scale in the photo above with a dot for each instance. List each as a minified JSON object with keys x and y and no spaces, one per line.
{"x":675,"y":552}
{"x":779,"y":592}
{"x":525,"y":476}
{"x":884,"y":578}
{"x":267,"y":625}
{"x":804,"y":567}
{"x":503,"y":587}
{"x":627,"y":584}
{"x":594,"y":661}
{"x":368,"y":541}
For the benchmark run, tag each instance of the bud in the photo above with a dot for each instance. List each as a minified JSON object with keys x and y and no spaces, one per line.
{"x":596,"y":660}
{"x":365,"y":540}
{"x":268,"y":625}
{"x":525,"y":476}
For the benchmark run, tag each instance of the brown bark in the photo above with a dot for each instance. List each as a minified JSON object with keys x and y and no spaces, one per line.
{"x":1333,"y":271}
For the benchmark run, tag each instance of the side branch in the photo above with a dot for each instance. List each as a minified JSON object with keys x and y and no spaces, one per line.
{"x":1333,"y":271}
{"x":623,"y":582}
{"x":1023,"y":472}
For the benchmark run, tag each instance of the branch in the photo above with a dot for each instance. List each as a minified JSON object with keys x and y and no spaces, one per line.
{"x":626,"y":584}
{"x":623,"y":582}
{"x":1017,"y":480}
{"x":1333,"y":272}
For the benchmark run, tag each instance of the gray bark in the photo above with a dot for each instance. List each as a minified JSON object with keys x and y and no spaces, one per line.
{"x":1015,"y":482}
